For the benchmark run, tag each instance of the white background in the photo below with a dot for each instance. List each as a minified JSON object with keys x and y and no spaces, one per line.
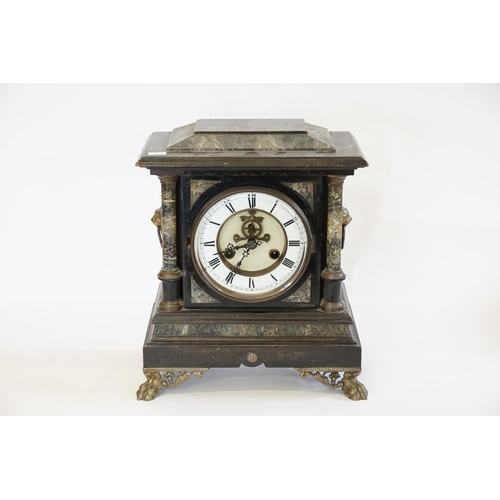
{"x":79,"y":370}
{"x":79,"y":255}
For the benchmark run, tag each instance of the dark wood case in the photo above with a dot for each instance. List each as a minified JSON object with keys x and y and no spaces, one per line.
{"x":310,"y":328}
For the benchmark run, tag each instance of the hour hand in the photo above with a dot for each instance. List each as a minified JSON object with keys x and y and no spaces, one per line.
{"x":230,"y":251}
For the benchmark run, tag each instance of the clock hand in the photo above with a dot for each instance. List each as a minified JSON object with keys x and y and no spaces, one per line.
{"x":240,"y":246}
{"x":238,"y":265}
{"x":251,"y":245}
{"x":230,"y":250}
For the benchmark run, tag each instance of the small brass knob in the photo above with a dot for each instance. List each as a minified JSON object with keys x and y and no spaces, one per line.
{"x":252,"y":357}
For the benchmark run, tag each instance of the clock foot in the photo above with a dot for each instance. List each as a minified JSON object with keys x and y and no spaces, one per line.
{"x":158,"y":378}
{"x":352,"y":388}
{"x":331,"y":378}
{"x":152,"y":387}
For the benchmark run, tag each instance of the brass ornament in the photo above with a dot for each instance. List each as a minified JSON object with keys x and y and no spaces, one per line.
{"x":170,"y":275}
{"x":332,"y":307}
{"x":166,"y":306}
{"x":346,"y":219}
{"x":152,"y":387}
{"x":352,"y":388}
{"x":156,"y":220}
{"x":336,"y":180}
{"x":158,"y":378}
{"x":251,"y":357}
{"x":333,"y":275}
{"x":331,"y":378}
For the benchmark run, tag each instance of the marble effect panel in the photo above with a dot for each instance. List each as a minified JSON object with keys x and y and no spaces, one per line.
{"x":334,"y":226}
{"x":187,"y":139}
{"x":198,"y":187}
{"x":305,"y":189}
{"x":199,"y":296}
{"x":303,"y":294}
{"x":169,"y":223}
{"x":337,"y":331}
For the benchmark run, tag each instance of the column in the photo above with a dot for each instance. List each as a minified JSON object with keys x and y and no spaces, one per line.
{"x":170,"y":274}
{"x":333,"y":275}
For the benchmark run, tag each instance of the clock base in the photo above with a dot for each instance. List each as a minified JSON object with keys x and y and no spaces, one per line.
{"x":181,"y":344}
{"x":158,"y":378}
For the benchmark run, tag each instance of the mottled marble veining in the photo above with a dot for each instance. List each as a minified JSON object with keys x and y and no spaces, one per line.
{"x":337,"y":331}
{"x":334,"y":223}
{"x":169,"y":223}
{"x":235,"y":137}
{"x":303,"y":294}
{"x":199,"y":296}
{"x":305,"y":189}
{"x":198,"y":187}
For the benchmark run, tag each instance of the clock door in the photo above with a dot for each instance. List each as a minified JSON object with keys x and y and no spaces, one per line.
{"x":250,"y":245}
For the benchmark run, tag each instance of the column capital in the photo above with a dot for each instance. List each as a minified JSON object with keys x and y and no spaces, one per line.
{"x":337,"y":180}
{"x":167,"y":178}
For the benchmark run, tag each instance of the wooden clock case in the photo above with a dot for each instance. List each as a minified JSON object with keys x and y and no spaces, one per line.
{"x":310,"y":327}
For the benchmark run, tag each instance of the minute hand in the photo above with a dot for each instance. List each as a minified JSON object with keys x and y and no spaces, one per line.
{"x":251,"y":245}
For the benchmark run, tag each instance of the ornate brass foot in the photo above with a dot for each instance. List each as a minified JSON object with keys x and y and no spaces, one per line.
{"x":352,"y":388}
{"x":331,"y":378}
{"x":152,"y":387}
{"x":158,"y":378}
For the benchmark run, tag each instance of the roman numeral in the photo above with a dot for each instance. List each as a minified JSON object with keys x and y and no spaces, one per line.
{"x":274,"y":206}
{"x":230,"y":277}
{"x":209,"y":244}
{"x":291,"y":221}
{"x":230,"y":207}
{"x":251,"y":283}
{"x":294,"y":243}
{"x":288,"y":263}
{"x":252,"y":200}
{"x":214,"y":262}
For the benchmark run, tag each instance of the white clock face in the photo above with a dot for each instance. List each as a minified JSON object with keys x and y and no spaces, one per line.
{"x":251,"y":244}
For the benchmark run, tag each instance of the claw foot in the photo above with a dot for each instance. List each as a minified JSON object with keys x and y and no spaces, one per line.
{"x":331,"y":378}
{"x":158,"y":378}
{"x":352,"y":388}
{"x":151,"y":388}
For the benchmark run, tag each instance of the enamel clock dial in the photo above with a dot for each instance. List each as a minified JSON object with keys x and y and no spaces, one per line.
{"x":251,"y":244}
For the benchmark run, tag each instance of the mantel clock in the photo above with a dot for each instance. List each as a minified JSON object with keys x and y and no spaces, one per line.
{"x":251,"y":227}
